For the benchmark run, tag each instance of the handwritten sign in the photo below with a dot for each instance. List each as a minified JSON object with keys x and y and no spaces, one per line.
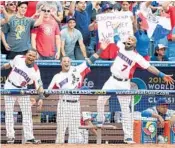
{"x":107,"y":25}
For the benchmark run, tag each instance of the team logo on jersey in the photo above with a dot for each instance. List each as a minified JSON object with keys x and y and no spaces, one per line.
{"x":23,"y":84}
{"x":23,"y":74}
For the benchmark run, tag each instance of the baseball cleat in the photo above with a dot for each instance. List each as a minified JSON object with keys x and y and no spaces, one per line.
{"x":10,"y":140}
{"x":33,"y":141}
{"x":129,"y":141}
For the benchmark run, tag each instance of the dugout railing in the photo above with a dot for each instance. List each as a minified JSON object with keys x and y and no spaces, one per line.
{"x":47,"y":131}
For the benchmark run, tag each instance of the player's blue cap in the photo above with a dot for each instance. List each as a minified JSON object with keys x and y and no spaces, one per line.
{"x":106,"y":7}
{"x":161,"y":101}
{"x":68,"y":18}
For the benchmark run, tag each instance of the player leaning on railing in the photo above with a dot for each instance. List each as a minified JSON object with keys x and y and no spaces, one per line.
{"x":122,"y":71}
{"x":68,"y":110}
{"x":24,"y":72}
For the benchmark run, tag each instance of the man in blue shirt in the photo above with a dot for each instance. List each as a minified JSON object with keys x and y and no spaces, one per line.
{"x":82,"y":14}
{"x":161,"y":113}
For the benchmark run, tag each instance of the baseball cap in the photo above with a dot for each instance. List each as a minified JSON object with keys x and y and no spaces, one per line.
{"x":159,"y":46}
{"x":162,"y":101}
{"x":22,"y":2}
{"x":68,"y":18}
{"x":106,"y":7}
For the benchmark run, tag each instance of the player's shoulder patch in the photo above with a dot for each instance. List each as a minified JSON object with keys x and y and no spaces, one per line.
{"x":35,"y":66}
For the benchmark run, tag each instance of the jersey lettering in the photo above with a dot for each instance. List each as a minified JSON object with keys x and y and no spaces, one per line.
{"x":124,"y":67}
{"x":125,"y":58}
{"x":63,"y":82}
{"x":22,"y":73}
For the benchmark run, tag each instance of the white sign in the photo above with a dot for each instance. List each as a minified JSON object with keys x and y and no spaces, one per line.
{"x":107,"y":23}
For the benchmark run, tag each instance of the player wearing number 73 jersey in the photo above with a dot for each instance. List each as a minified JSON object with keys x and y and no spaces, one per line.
{"x":122,"y":71}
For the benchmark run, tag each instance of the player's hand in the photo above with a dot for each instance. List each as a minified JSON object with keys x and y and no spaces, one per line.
{"x":168,"y":79}
{"x":40,"y":104}
{"x":104,"y":44}
{"x":160,"y":122}
{"x":33,"y":101}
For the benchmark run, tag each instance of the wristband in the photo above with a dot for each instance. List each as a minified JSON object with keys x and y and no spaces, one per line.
{"x":161,"y":74}
{"x":99,"y":52}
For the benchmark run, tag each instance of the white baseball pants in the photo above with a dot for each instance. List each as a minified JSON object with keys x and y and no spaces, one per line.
{"x":125,"y":102}
{"x":68,"y":116}
{"x":25,"y":106}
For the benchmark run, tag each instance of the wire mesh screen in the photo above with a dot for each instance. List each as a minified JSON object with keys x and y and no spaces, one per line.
{"x":77,"y":120}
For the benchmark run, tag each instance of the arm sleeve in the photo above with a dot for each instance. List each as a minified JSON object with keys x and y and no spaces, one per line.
{"x":13,"y":62}
{"x":53,"y":84}
{"x":82,"y":67}
{"x":37,"y":80}
{"x":63,"y":36}
{"x":80,"y":37}
{"x":32,"y":22}
{"x":142,"y":62}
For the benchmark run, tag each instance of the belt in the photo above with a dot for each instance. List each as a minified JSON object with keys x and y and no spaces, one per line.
{"x":119,"y":79}
{"x":70,"y":101}
{"x":14,"y":84}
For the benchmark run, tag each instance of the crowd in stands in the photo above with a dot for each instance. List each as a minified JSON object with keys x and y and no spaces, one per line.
{"x":69,"y":28}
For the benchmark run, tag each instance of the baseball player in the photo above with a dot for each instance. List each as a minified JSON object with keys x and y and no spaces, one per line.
{"x":85,"y":121}
{"x":24,"y":72}
{"x":161,"y":113}
{"x":122,"y":71}
{"x":68,"y":111}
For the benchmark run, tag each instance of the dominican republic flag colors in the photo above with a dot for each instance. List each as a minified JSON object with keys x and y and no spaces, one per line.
{"x":157,"y":26}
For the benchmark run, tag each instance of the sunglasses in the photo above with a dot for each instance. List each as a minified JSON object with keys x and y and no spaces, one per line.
{"x":46,"y":11}
{"x":12,"y":4}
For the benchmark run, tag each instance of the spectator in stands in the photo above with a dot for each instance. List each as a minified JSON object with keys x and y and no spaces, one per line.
{"x":8,"y":11}
{"x":143,"y":40}
{"x":46,"y":37}
{"x":69,"y":37}
{"x":111,"y":51}
{"x":55,"y":8}
{"x":93,"y":36}
{"x":82,"y":14}
{"x":161,"y":113}
{"x":18,"y":31}
{"x":159,"y":54}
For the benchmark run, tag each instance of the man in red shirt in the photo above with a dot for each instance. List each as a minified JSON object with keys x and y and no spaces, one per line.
{"x":46,"y":36}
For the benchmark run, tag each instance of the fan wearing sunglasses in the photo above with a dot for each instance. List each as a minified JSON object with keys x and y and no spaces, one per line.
{"x":46,"y":37}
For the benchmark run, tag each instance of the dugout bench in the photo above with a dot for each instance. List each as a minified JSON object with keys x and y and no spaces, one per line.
{"x":46,"y":132}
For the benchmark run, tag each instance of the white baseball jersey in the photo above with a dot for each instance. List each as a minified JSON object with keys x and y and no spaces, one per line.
{"x":126,"y":62}
{"x":21,"y":75}
{"x":70,"y":80}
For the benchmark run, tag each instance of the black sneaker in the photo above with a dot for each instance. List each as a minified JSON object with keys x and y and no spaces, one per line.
{"x":33,"y":141}
{"x":10,"y":140}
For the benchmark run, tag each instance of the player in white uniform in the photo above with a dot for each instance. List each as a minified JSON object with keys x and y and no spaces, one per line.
{"x":86,"y":121}
{"x":68,"y":111}
{"x":24,"y":72}
{"x":122,"y":71}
